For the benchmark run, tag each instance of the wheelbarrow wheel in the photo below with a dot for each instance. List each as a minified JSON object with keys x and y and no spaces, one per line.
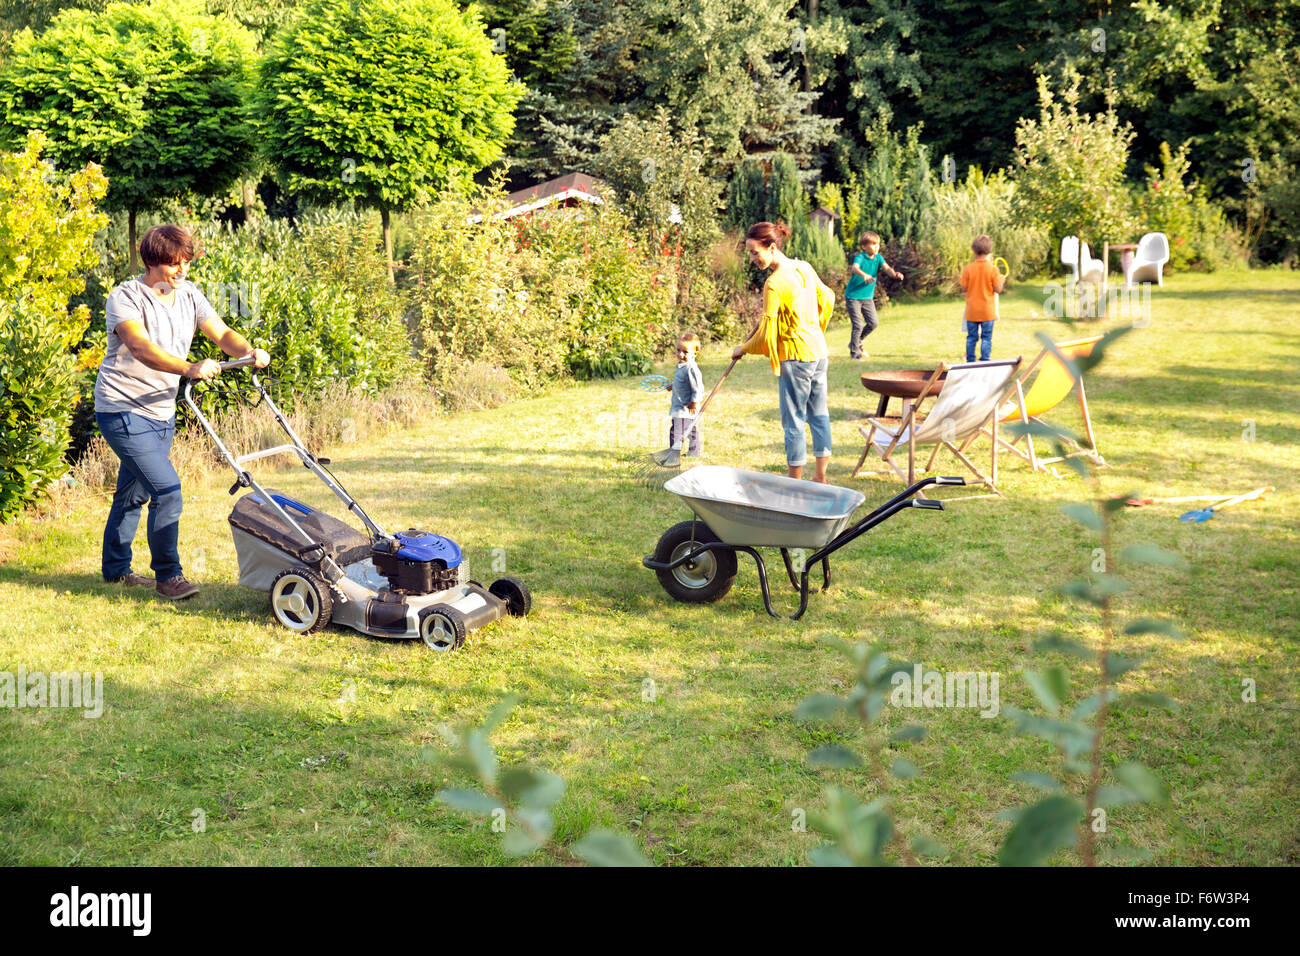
{"x":706,"y":578}
{"x":301,"y":600}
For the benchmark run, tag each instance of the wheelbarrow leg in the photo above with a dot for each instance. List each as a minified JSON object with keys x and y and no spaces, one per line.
{"x":762,"y":576}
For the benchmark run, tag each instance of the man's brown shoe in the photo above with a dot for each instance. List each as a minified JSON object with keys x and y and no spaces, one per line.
{"x":177,"y":588}
{"x":131,"y":579}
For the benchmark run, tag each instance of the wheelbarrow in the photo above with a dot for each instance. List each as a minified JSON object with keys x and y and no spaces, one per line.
{"x":737,"y":510}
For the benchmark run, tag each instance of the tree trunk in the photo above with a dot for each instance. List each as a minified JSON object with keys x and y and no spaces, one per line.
{"x":130,"y":232}
{"x":807,"y":67}
{"x":386,"y":219}
{"x":248,"y":202}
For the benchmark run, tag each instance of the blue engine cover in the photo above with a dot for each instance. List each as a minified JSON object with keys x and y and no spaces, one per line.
{"x":427,"y":546}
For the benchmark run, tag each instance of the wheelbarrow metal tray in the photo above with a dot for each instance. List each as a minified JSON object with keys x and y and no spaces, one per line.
{"x":761,"y":510}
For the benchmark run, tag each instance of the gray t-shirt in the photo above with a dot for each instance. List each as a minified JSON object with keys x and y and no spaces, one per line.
{"x":125,"y":384}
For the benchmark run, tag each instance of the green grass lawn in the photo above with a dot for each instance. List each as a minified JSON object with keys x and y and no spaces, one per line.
{"x":211,"y":706}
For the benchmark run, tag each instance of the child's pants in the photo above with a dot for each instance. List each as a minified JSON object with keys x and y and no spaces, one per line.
{"x":981,"y":332}
{"x":862,"y":315}
{"x":691,"y":446}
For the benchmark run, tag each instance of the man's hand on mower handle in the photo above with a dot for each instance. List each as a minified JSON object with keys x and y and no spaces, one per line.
{"x":203,"y":370}
{"x":261,"y":358}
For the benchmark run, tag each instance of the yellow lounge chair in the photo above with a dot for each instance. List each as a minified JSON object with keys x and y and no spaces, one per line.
{"x":1049,"y":389}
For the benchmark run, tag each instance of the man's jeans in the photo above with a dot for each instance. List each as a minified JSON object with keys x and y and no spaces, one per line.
{"x":803,"y":401}
{"x":146,"y":474}
{"x":983,"y":333}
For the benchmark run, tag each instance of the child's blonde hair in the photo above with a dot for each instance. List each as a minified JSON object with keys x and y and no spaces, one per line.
{"x":868,"y":235}
{"x":689,"y":338}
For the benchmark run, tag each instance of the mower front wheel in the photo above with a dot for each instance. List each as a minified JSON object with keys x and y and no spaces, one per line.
{"x":442,"y":627}
{"x":301,"y":600}
{"x":706,"y":578}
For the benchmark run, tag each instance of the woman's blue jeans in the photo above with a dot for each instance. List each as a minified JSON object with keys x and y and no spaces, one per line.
{"x":146,"y":474}
{"x":803,"y":402}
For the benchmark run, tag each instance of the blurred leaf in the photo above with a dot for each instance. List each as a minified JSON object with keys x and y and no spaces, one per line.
{"x":833,"y":755}
{"x":1125,"y":852}
{"x":904,"y":769}
{"x":828,"y":855}
{"x":1118,"y":664}
{"x":1072,"y":737}
{"x":546,"y":791}
{"x":1142,"y":782}
{"x":471,"y":801}
{"x":837,"y":643}
{"x":1147,"y":625}
{"x":1044,"y":690}
{"x":1095,"y":592}
{"x":1063,"y":645}
{"x":539,"y":821}
{"x":1150,"y":554}
{"x":519,"y":842}
{"x":868,"y":836}
{"x":1085,"y":363}
{"x":1150,"y":699}
{"x":1116,"y":504}
{"x":1085,"y":515}
{"x":498,"y":714}
{"x":924,"y":846}
{"x":515,"y":781}
{"x":607,"y":848}
{"x":1041,"y":830}
{"x":1091,"y":704}
{"x":1042,"y":781}
{"x":819,"y":707}
{"x":1039,"y":430}
{"x":908,"y":732}
{"x":484,"y":757}
{"x":1077,"y":465}
{"x":1115,"y":796}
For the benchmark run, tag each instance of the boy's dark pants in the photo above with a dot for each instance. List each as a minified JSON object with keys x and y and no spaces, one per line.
{"x":862,"y":314}
{"x":691,"y":447}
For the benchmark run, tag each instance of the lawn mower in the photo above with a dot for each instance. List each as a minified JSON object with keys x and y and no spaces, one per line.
{"x":316,"y":568}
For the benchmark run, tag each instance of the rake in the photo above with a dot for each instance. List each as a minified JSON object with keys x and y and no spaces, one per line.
{"x":653,"y":470}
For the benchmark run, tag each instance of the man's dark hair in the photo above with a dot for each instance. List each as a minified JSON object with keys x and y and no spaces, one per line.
{"x":166,"y":245}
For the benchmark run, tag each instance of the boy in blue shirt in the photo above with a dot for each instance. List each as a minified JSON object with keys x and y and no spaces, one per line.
{"x":687,"y":388}
{"x":859,"y":294}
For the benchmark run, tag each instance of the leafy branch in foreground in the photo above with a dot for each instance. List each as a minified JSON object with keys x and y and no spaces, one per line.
{"x":861,"y":833}
{"x":518,"y":800}
{"x":1054,"y":822}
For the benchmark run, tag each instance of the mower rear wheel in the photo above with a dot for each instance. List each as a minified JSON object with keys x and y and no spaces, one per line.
{"x":515,"y":593}
{"x":442,"y":627}
{"x":301,"y":600}
{"x":706,"y":578}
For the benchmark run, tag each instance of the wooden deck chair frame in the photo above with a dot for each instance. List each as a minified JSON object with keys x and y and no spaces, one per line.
{"x":911,"y":415}
{"x":1029,"y":453}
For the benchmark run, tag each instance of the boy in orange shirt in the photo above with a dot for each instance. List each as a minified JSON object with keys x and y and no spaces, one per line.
{"x":981,"y":282}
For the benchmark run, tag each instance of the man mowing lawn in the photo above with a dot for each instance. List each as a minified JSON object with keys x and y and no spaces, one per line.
{"x":151,"y":321}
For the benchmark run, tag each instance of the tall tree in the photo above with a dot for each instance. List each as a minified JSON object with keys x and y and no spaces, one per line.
{"x":383,"y":102}
{"x":154,"y":94}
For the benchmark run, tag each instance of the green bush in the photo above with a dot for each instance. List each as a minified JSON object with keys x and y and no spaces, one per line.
{"x":1198,"y":232}
{"x":893,"y":194}
{"x":1069,"y":171}
{"x":47,"y":229}
{"x":312,"y":296}
{"x":813,"y":244}
{"x":983,"y":205}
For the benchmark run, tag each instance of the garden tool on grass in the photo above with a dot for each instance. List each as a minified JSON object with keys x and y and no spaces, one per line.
{"x":653,"y":469}
{"x":1200,"y":515}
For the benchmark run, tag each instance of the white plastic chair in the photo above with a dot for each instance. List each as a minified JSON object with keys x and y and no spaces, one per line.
{"x":1149,"y":261}
{"x":1083,"y":266}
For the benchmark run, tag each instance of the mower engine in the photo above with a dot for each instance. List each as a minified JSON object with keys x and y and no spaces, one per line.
{"x":420,"y":562}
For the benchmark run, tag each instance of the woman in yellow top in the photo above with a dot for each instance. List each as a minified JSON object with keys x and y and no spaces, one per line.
{"x":796,"y":307}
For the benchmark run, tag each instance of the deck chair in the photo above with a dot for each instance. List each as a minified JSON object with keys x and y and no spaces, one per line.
{"x":1053,"y":383}
{"x":972,"y":393}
